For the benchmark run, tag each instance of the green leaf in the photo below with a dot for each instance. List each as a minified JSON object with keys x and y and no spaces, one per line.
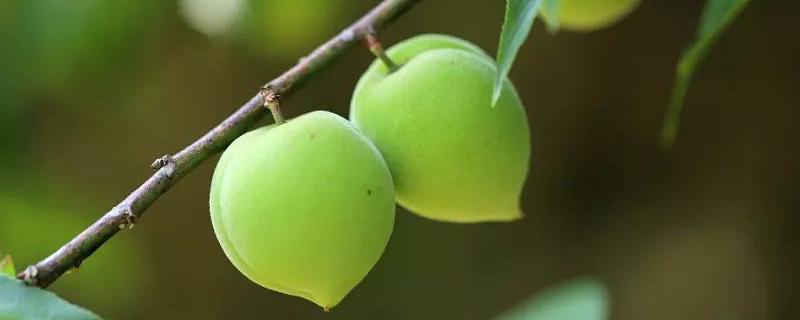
{"x":19,"y":301}
{"x":518,"y":21}
{"x":717,"y":15}
{"x":579,"y":299}
{"x":7,"y":266}
{"x":551,"y":8}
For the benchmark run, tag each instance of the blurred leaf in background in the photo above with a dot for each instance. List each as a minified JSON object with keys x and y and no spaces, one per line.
{"x":211,"y":17}
{"x":282,"y":29}
{"x":52,"y":47}
{"x":37,"y":218}
{"x":53,"y":40}
{"x":578,"y":299}
{"x":19,"y":301}
{"x":717,"y":15}
{"x":290,"y":28}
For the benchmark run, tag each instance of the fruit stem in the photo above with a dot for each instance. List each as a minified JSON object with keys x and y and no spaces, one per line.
{"x":376,"y":48}
{"x":276,"y":112}
{"x":272,"y":102}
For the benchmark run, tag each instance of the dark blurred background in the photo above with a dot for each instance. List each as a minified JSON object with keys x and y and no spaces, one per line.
{"x":91,"y":91}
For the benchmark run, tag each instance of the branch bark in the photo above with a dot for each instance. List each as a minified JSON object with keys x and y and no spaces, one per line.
{"x":170,"y":169}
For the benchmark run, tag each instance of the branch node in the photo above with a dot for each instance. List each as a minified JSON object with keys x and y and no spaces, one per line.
{"x":376,"y":48}
{"x":30,"y":275}
{"x":162,"y":162}
{"x":272,"y":102}
{"x":130,"y":218}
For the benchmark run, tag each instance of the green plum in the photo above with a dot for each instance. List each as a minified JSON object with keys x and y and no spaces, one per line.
{"x":453,"y":156}
{"x":589,"y":15}
{"x":305,"y":207}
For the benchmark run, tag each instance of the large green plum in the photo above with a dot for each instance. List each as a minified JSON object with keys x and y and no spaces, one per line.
{"x":305,"y":207}
{"x":589,"y":15}
{"x":453,"y":156}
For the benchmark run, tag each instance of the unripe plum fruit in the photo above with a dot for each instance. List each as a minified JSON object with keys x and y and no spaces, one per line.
{"x":305,"y":207}
{"x":453,"y":156}
{"x":589,"y":15}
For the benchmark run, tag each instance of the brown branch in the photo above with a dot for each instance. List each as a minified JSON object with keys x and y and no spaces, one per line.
{"x":170,"y":169}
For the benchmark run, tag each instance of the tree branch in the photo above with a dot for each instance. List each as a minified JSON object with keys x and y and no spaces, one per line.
{"x":170,"y":169}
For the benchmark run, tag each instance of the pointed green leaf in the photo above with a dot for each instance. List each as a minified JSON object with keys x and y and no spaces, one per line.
{"x":717,"y":15}
{"x":584,"y":299}
{"x":518,"y":21}
{"x":19,"y":301}
{"x":7,"y":266}
{"x":551,"y":8}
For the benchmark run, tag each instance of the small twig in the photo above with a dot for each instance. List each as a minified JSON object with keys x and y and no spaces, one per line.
{"x":171,"y":169}
{"x":376,"y":48}
{"x":272,"y":102}
{"x":162,"y":162}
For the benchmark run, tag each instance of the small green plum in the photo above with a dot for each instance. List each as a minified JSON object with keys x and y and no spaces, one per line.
{"x":589,"y":15}
{"x":305,"y":207}
{"x":453,"y":156}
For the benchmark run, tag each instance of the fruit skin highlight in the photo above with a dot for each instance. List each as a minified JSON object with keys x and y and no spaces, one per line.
{"x":590,"y":15}
{"x":304,"y":208}
{"x":453,"y":156}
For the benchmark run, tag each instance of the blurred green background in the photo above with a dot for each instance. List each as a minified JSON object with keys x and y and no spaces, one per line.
{"x":91,"y":91}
